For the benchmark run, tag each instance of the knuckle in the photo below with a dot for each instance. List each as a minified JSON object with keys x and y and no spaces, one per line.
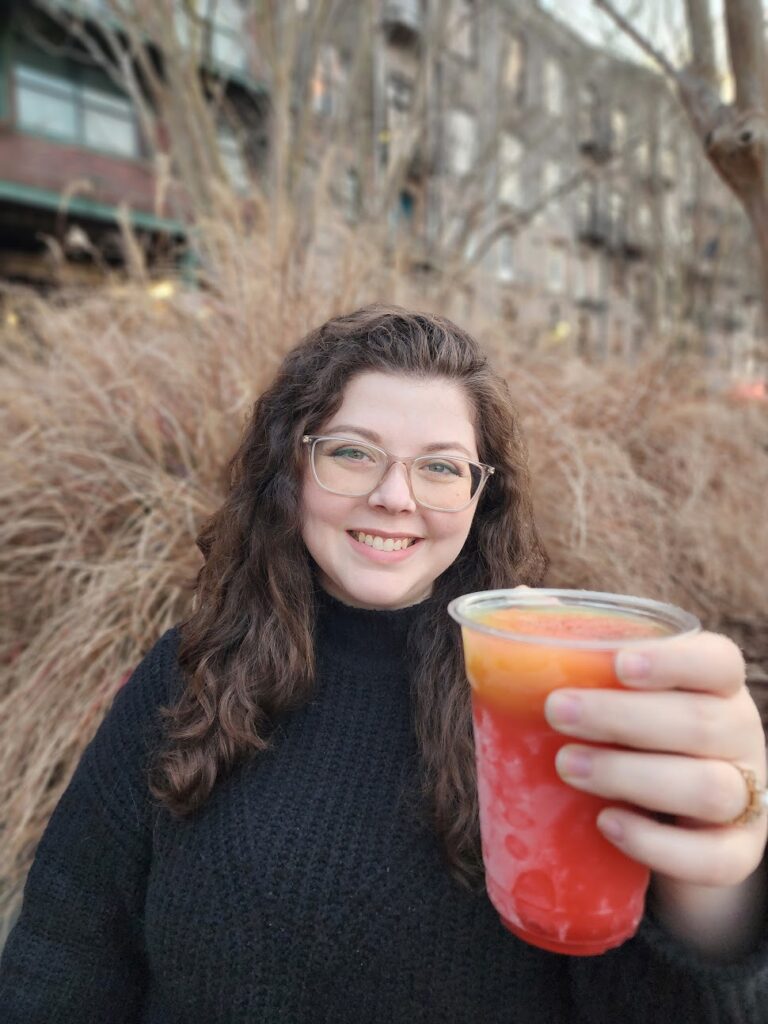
{"x":706,"y":727}
{"x":718,"y":797}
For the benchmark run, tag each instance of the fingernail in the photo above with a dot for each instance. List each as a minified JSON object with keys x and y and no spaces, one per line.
{"x":611,"y":828}
{"x":632,"y":666}
{"x":562,"y":709}
{"x":574,"y":763}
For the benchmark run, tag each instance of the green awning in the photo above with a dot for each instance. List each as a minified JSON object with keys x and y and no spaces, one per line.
{"x":41,"y":198}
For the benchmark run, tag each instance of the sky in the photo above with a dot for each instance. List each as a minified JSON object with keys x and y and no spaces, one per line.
{"x":661,"y":21}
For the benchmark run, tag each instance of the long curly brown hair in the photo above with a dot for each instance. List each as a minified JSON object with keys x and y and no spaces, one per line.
{"x":247,"y":650}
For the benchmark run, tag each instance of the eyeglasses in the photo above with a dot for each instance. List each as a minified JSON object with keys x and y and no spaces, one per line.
{"x":445,"y":483}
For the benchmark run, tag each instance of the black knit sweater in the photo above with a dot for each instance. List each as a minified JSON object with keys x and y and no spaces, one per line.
{"x":306,"y":890}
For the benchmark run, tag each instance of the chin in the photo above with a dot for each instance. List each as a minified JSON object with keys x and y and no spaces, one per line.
{"x":386,"y":595}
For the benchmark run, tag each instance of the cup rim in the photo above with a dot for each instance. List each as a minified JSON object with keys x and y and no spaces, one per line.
{"x":684,"y":623}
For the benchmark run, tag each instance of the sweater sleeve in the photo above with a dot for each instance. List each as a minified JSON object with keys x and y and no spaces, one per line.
{"x":657,"y":977}
{"x":76,"y":951}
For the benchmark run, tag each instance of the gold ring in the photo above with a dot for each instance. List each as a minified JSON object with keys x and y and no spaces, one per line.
{"x":757,"y":798}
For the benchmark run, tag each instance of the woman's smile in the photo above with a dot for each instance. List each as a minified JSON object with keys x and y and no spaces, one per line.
{"x":382,"y":547}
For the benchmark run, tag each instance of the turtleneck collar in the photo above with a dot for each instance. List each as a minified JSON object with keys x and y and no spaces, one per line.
{"x":363,"y":633}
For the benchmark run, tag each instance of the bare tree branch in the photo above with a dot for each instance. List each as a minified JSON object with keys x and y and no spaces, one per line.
{"x":746,"y":48}
{"x":699,"y":19}
{"x":645,"y":44}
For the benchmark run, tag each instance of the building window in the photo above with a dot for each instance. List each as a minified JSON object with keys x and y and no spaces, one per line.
{"x":400,"y":93}
{"x":617,"y":208}
{"x":462,"y":37}
{"x":586,"y":277}
{"x":351,"y":195}
{"x":514,"y":67}
{"x":667,"y":162}
{"x":643,"y":157}
{"x":233,"y":160}
{"x":401,"y":214}
{"x":215,"y":28}
{"x":644,"y":222}
{"x":553,"y":87}
{"x":618,"y":129}
{"x":587,"y":115}
{"x":99,"y":6}
{"x":555,"y":269}
{"x":591,"y":212}
{"x":228,"y":35}
{"x":406,"y":206}
{"x":510,"y":170}
{"x":65,"y":109}
{"x":552,"y":178}
{"x":327,"y":82}
{"x":505,"y":267}
{"x":462,"y":141}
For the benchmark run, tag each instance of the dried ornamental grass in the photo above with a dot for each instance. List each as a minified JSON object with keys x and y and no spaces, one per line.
{"x":120,"y":412}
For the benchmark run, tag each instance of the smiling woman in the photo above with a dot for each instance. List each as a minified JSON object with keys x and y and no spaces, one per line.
{"x":277,"y":820}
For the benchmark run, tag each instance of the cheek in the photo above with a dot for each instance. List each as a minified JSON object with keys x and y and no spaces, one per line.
{"x":320,"y":510}
{"x":451,"y":530}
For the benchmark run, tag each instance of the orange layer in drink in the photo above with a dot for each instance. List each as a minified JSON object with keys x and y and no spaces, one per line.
{"x":554,"y":879}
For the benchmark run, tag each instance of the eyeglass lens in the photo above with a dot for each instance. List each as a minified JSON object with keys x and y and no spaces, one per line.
{"x":357,"y":469}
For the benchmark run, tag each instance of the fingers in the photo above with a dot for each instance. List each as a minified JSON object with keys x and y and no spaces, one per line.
{"x":712,"y":856}
{"x":697,"y":724}
{"x":706,"y":662}
{"x":541,"y":598}
{"x":709,"y":791}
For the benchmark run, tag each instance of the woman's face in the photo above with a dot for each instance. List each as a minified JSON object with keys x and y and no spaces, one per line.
{"x":404,"y":415}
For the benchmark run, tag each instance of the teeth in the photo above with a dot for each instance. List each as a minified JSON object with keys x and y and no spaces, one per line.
{"x":382,"y":544}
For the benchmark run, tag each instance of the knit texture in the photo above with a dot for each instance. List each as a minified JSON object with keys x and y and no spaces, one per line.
{"x":307,"y":889}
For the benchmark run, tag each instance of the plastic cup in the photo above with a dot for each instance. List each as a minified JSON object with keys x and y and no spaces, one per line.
{"x":556,"y":882}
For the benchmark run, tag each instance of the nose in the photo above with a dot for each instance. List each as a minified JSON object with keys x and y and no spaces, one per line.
{"x":394,"y":491}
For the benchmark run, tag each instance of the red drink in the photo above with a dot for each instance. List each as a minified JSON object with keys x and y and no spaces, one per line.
{"x":555,"y":881}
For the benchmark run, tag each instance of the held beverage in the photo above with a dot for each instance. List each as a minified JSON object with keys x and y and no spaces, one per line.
{"x":554,"y":879}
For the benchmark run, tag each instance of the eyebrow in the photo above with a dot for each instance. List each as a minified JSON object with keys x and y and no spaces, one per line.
{"x":371,"y":435}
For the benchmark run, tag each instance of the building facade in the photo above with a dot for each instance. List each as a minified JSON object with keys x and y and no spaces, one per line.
{"x":568,"y":177}
{"x":74,"y":149}
{"x":558,"y":186}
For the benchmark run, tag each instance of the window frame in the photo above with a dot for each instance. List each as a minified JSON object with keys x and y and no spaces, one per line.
{"x":505,"y":259}
{"x":471,"y":118}
{"x":79,"y":81}
{"x":508,"y":168}
{"x":210,"y":27}
{"x":515,"y":41}
{"x":553,"y":64}
{"x":229,"y":144}
{"x":465,"y":8}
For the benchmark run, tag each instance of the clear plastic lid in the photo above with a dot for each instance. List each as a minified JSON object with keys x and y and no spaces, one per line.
{"x":664,"y":620}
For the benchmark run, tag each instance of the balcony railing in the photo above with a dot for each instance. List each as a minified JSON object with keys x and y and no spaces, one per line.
{"x":595,"y":228}
{"x":402,"y":20}
{"x":596,"y":142}
{"x":632,"y":241}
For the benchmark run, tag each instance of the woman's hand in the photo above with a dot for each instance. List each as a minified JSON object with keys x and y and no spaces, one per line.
{"x":676,"y":737}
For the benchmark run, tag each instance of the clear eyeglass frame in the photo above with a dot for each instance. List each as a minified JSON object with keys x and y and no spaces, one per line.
{"x":312,"y":440}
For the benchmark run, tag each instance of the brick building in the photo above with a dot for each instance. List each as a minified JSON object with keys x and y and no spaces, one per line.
{"x":72,"y":148}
